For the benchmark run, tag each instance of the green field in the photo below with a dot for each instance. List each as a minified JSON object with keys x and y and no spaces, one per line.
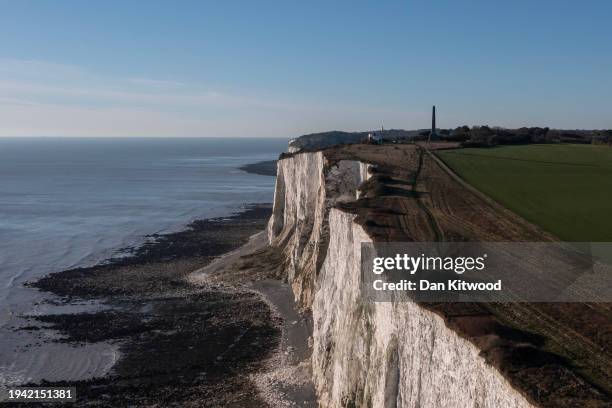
{"x":565,"y":189}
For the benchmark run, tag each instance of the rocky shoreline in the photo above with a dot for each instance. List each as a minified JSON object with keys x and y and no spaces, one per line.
{"x":263,"y":168}
{"x":181,"y":344}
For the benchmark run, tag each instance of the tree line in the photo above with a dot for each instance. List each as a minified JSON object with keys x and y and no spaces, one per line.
{"x":484,"y":136}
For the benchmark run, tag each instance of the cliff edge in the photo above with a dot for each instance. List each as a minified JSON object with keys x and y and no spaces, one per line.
{"x":404,"y":354}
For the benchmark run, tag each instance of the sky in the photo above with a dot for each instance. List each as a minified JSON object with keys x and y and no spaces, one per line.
{"x":286,"y":68}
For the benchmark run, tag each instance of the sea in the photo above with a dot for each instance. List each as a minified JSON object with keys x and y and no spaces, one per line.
{"x":68,"y":202}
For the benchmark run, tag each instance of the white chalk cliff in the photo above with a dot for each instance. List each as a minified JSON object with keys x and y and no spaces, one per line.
{"x":367,"y":354}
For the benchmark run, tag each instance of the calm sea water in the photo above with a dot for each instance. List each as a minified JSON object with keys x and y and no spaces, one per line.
{"x":70,"y":202}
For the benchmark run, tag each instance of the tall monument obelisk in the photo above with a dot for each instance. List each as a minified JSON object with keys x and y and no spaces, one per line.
{"x":432,"y":134}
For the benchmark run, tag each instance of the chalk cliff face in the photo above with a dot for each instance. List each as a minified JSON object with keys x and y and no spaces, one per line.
{"x":367,"y":354}
{"x":306,"y":188}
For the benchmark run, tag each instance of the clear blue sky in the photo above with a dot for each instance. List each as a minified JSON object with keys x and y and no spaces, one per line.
{"x":283,"y":68}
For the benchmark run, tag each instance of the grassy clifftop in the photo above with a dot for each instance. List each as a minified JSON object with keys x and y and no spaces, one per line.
{"x":566,"y":189}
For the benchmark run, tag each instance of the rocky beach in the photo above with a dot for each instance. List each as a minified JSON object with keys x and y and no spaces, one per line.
{"x":179,"y":344}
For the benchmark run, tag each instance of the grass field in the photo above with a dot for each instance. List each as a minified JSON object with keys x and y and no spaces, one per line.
{"x":565,"y":189}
